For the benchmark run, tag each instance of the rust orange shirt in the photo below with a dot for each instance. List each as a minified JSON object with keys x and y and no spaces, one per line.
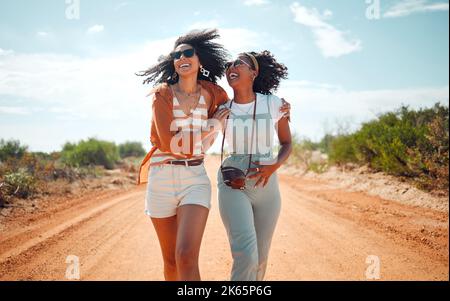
{"x":162,"y":117}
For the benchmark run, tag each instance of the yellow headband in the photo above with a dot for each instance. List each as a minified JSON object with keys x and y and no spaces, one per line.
{"x":255,"y":62}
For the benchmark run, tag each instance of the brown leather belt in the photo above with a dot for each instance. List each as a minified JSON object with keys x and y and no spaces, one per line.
{"x":186,"y":162}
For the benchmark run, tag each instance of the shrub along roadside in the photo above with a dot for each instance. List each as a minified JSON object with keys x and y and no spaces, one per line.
{"x":308,"y":155}
{"x":89,"y":153}
{"x":11,"y":149}
{"x":131,"y":149}
{"x":20,"y":184}
{"x":23,"y":173}
{"x":406,"y":143}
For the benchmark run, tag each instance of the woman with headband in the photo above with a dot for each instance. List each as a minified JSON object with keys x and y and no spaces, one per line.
{"x":249,"y":196}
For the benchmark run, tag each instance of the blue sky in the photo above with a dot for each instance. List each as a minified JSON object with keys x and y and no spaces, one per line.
{"x":65,"y":79}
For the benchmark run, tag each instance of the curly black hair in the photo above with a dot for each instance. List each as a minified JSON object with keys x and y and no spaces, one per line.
{"x":212,"y":56}
{"x":270,"y":72}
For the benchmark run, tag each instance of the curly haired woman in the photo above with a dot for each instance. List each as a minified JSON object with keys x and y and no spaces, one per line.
{"x":250,"y":207}
{"x":178,"y":189}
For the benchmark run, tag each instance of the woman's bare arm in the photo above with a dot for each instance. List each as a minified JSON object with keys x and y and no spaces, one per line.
{"x":264,"y":171}
{"x":285,"y":138}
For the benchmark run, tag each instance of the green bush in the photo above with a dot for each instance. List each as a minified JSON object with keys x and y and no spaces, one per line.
{"x":300,"y":148}
{"x":19,"y":184}
{"x":342,"y":150}
{"x":90,"y":152}
{"x":396,"y":141}
{"x":432,"y":157}
{"x":307,"y":154}
{"x":11,"y":149}
{"x":131,"y":149}
{"x":406,"y":142}
{"x":318,"y":167}
{"x":325,"y":144}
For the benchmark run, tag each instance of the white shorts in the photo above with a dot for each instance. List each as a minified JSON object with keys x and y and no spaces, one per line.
{"x":170,"y":186}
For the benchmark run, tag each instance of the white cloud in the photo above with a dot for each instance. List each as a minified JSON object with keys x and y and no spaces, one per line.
{"x":78,"y":83}
{"x":102,"y":96}
{"x":42,"y":34}
{"x":327,"y":13}
{"x":121,"y":5}
{"x":408,"y":7}
{"x":4,"y":52}
{"x":236,"y":39}
{"x":331,"y":41}
{"x":106,"y":83}
{"x":204,"y":24}
{"x":320,"y":108}
{"x":98,"y":96}
{"x":256,"y":2}
{"x":14,"y":110}
{"x":95,"y":29}
{"x":315,"y":104}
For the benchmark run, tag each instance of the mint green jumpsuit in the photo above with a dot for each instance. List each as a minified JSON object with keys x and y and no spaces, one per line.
{"x":249,"y":215}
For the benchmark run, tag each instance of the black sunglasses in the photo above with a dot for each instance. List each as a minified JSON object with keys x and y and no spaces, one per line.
{"x":187,"y":53}
{"x":237,"y":63}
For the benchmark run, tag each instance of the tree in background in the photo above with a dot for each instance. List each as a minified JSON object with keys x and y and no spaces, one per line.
{"x":11,"y":149}
{"x":131,"y":149}
{"x":90,"y":152}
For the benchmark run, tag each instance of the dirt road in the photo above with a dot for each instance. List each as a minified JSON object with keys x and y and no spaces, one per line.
{"x":323,"y":234}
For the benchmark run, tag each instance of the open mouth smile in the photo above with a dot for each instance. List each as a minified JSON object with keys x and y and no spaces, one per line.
{"x":233,"y":76}
{"x":185,"y":66}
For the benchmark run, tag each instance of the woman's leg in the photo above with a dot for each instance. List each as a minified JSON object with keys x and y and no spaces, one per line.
{"x":266,"y":209}
{"x":191,"y":221}
{"x":237,"y":216}
{"x":166,"y":229}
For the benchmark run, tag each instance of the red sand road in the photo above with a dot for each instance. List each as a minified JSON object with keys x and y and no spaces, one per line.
{"x":323,"y":234}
